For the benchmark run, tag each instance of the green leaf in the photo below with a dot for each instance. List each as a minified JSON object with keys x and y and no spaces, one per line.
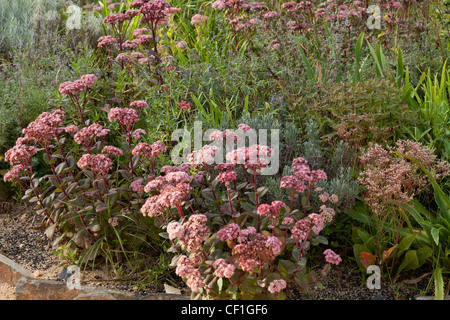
{"x":220,"y":284}
{"x":410,"y":262}
{"x":435,"y":235}
{"x":357,"y":249}
{"x":405,"y":244}
{"x":211,"y":242}
{"x":249,"y":286}
{"x":125,"y":174}
{"x":423,"y":254}
{"x":59,"y":169}
{"x":288,"y":266}
{"x":164,"y":235}
{"x":101,"y":207}
{"x":262,"y":191}
{"x":232,"y":289}
{"x":208,"y":194}
{"x":71,"y":161}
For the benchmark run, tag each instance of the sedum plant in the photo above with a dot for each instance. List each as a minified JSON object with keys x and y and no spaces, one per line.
{"x":228,"y":243}
{"x":91,"y":193}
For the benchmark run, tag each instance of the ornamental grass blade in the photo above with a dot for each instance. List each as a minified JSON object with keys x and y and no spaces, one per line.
{"x":358,"y":54}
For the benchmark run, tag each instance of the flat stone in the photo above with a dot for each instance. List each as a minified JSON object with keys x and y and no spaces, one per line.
{"x":165,"y":296}
{"x":96,"y":293}
{"x":430,"y":298}
{"x":28,"y":288}
{"x":11,"y":272}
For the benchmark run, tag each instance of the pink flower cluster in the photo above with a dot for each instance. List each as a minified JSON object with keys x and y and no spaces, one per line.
{"x":126,"y":117}
{"x":169,"y":196}
{"x":71,"y":129}
{"x":138,"y":133}
{"x":244,"y":127}
{"x":292,"y":182}
{"x":20,"y":154}
{"x":112,"y":150}
{"x":270,"y":15}
{"x":254,"y":250}
{"x":253,"y":157}
{"x":190,"y":234}
{"x":155,"y":12}
{"x":277,"y":286}
{"x":303,"y":227}
{"x":198,"y":19}
{"x":184,"y":167}
{"x":186,"y":268}
{"x":393,"y":180}
{"x":274,"y":244}
{"x":117,"y":18}
{"x":14,"y":173}
{"x":99,"y":163}
{"x":226,"y":135}
{"x":106,"y":41}
{"x":77,"y":86}
{"x":227,"y":177}
{"x":124,"y":58}
{"x":223,"y":269}
{"x":271,"y":210}
{"x":137,"y":186}
{"x":224,"y":167}
{"x":86,"y":135}
{"x":229,"y":232}
{"x":139,"y":32}
{"x":332,"y":257}
{"x":149,"y":151}
{"x":317,"y":222}
{"x":302,"y":170}
{"x":46,"y":127}
{"x":184,"y":105}
{"x":327,"y":213}
{"x":324,"y":196}
{"x":139,"y":104}
{"x":302,"y":174}
{"x":203,"y":156}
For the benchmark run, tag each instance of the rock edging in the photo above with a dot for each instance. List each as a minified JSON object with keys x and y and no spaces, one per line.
{"x":29,"y":288}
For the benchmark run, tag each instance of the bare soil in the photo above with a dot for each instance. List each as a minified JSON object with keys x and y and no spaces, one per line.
{"x":22,"y":239}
